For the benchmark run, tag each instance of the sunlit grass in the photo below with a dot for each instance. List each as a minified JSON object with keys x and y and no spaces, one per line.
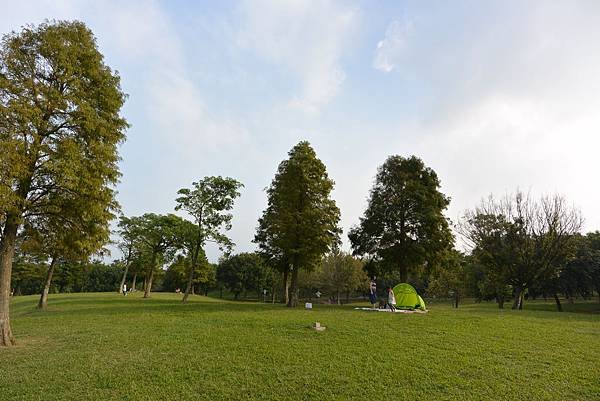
{"x":106,"y":346}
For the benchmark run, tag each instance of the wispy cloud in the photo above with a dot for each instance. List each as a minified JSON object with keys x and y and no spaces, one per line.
{"x":307,"y":38}
{"x":390,"y":49}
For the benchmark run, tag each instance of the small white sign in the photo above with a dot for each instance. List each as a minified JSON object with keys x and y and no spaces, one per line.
{"x":308,"y":305}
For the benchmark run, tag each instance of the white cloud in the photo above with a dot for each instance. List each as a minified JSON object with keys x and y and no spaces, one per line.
{"x":515,"y":105}
{"x":389,"y":50}
{"x":307,"y":38}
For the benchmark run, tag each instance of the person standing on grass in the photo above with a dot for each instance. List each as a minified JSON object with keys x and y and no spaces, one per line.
{"x":124,"y":289}
{"x":391,"y":299}
{"x":373,"y":293}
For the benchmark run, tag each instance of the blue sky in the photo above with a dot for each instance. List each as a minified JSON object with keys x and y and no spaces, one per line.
{"x":493,"y":95}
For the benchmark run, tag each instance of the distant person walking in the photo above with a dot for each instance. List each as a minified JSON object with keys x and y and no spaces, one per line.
{"x":373,"y":292}
{"x":124,"y":289}
{"x":391,"y":299}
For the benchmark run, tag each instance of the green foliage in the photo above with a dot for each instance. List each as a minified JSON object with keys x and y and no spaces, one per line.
{"x":449,"y":279}
{"x":208,"y":202}
{"x":158,"y":237}
{"x":300,"y":223}
{"x":404,"y":225}
{"x":341,"y":274}
{"x":243,"y":272}
{"x":59,"y":126}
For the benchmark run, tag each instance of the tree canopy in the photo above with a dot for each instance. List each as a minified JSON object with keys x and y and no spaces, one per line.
{"x":404,"y":225}
{"x":300,"y":223}
{"x":60,"y":126}
{"x":209,"y":203}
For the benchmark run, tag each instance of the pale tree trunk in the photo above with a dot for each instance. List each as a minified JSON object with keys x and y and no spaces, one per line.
{"x":7,"y":251}
{"x":124,"y":278}
{"x":337,"y":297}
{"x":517,"y":304}
{"x":293,"y":292}
{"x":148,"y":286}
{"x":134,"y":279}
{"x":43,"y":303}
{"x":286,"y":287}
{"x":273,"y":292}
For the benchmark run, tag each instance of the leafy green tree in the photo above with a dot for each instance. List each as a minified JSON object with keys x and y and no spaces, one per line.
{"x":243,"y":272}
{"x":175,"y":275}
{"x":404,"y":225}
{"x":449,"y":278}
{"x":59,"y":131}
{"x":494,"y":241}
{"x":342,"y":273}
{"x":160,"y":238}
{"x":206,"y":276}
{"x":208,"y":202}
{"x":300,"y":223}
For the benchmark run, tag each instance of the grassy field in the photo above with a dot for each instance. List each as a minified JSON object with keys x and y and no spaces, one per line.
{"x":110,"y":347}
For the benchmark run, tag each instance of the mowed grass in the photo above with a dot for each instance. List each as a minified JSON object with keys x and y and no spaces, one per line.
{"x":110,"y":347}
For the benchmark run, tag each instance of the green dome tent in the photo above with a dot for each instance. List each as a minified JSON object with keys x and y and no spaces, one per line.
{"x":407,"y":297}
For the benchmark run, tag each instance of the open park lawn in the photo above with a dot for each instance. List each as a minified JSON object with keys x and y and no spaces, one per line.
{"x":110,"y":347}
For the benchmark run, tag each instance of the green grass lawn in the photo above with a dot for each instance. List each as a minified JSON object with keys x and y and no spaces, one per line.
{"x":110,"y":347}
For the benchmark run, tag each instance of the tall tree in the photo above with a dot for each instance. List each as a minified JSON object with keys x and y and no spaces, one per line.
{"x":300,"y":223}
{"x":404,"y":225}
{"x":59,"y":131}
{"x":129,"y":246}
{"x":208,"y":202}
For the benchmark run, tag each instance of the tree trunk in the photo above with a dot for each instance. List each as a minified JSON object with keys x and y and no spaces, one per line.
{"x":347,"y":296}
{"x":148,"y":288}
{"x":149,"y":284}
{"x":403,"y":274}
{"x":189,"y":287}
{"x":43,"y":303}
{"x":518,"y":299}
{"x":500,"y":301}
{"x":293,"y":291}
{"x":124,"y":278}
{"x":7,"y":251}
{"x":558,"y":305}
{"x":286,"y":288}
{"x":337,"y":297}
{"x":133,"y":283}
{"x":522,"y":300}
{"x":456,"y":301}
